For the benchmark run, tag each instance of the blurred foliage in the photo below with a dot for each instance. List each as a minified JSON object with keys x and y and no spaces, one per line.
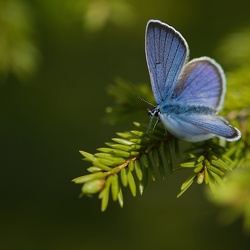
{"x":125,"y":105}
{"x":18,"y":52}
{"x":95,"y":14}
{"x":234,"y":196}
{"x":235,"y":49}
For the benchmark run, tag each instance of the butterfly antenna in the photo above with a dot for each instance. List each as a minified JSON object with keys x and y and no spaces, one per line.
{"x":149,"y":103}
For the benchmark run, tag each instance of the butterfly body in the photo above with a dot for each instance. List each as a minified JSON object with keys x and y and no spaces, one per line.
{"x":176,"y":109}
{"x":188,"y":95}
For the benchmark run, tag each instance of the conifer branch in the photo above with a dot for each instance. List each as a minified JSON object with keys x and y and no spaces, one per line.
{"x":132,"y":158}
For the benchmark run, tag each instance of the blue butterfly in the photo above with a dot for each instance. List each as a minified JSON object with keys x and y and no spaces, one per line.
{"x":188,"y":94}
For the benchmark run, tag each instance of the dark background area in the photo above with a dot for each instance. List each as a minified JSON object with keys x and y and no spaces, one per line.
{"x":49,"y":116}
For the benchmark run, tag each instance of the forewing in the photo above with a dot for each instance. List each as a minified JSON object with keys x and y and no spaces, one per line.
{"x":199,"y":127}
{"x":201,"y":83}
{"x":166,"y":52}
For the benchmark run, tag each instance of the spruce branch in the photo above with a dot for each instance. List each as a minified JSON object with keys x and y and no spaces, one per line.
{"x":133,"y":157}
{"x":209,"y":162}
{"x":128,"y":161}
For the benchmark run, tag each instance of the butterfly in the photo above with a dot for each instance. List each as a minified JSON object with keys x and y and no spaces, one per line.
{"x":188,"y":94}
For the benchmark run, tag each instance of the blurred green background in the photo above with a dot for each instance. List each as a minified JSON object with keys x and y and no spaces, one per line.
{"x":56,"y":60}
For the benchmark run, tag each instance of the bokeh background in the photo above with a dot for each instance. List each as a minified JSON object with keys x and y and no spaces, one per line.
{"x":56,"y":60}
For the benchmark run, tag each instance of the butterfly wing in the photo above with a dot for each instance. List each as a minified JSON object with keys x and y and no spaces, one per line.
{"x":166,"y":52}
{"x":199,"y":127}
{"x":201,"y":83}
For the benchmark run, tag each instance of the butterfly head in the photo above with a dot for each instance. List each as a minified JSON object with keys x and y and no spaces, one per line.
{"x":154,"y":112}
